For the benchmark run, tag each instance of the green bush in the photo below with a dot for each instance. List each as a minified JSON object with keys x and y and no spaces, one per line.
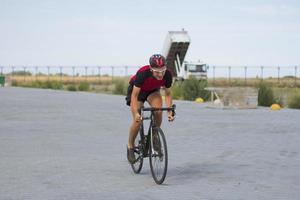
{"x":265,"y":95}
{"x":294,"y":102}
{"x":14,"y":83}
{"x":36,"y":84}
{"x":204,"y":94}
{"x":278,"y":100}
{"x":84,"y":87}
{"x":71,"y":88}
{"x":193,"y":88}
{"x":120,"y":87}
{"x":56,"y":85}
{"x":46,"y":85}
{"x":50,"y":85}
{"x":177,"y":91}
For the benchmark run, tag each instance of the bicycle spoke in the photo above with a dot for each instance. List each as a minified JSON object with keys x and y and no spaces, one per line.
{"x":138,"y":163}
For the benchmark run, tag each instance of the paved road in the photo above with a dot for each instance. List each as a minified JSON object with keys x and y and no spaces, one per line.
{"x":64,"y":145}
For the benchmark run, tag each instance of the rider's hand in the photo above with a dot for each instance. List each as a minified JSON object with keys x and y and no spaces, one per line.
{"x":137,"y":117}
{"x":170,"y":117}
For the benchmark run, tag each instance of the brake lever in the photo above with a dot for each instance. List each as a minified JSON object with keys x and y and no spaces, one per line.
{"x":173,"y":110}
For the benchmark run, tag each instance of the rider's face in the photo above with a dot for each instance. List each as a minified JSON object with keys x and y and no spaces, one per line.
{"x":159,"y":73}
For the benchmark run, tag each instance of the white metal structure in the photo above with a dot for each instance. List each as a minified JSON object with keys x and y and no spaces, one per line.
{"x":175,"y":48}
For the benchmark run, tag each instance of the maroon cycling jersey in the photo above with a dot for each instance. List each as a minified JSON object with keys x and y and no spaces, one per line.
{"x":145,"y":80}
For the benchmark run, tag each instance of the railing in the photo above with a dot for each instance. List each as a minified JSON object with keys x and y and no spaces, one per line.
{"x":70,"y":70}
{"x":244,"y":75}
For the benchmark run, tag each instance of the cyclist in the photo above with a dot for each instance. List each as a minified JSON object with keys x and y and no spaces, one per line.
{"x":145,"y":86}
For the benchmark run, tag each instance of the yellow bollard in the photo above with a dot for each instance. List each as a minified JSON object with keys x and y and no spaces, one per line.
{"x":275,"y":106}
{"x":199,"y":100}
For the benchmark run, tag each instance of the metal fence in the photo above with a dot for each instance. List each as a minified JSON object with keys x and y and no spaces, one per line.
{"x":274,"y":74}
{"x":229,"y":73}
{"x":70,"y":70}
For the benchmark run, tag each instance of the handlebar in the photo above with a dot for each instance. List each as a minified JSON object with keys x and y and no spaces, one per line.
{"x":160,"y":109}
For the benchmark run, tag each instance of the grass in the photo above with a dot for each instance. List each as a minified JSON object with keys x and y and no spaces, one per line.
{"x":217,"y":82}
{"x":285,"y":94}
{"x":284,"y":90}
{"x":65,"y":79}
{"x":254,"y":82}
{"x":294,"y":101}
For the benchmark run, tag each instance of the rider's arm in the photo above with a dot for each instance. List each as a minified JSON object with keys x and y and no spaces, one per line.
{"x":168,"y":78}
{"x":168,"y":96}
{"x":169,"y":103}
{"x":134,"y":100}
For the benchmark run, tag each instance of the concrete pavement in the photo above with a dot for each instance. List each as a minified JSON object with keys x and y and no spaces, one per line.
{"x":72,"y":145}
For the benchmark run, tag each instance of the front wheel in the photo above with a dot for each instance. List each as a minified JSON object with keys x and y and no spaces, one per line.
{"x":158,"y":155}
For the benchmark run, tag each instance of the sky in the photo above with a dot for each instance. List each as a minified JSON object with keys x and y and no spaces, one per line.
{"x":118,"y":32}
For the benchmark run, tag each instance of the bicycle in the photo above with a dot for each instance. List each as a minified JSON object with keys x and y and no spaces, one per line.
{"x":152,"y":146}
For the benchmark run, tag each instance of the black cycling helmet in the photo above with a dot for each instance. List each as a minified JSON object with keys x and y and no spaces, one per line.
{"x":157,"y":61}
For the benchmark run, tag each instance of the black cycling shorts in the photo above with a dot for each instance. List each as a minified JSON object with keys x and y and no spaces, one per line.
{"x":141,"y":97}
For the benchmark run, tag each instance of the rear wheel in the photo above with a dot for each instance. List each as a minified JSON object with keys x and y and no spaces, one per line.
{"x":137,"y":166}
{"x":158,"y":156}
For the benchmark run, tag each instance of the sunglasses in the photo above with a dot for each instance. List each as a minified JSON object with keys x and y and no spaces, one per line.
{"x":159,"y":71}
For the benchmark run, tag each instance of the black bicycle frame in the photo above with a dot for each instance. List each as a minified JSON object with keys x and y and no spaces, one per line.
{"x":145,"y":139}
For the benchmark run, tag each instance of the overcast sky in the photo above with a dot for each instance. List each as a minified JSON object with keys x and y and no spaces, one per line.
{"x":127,"y":32}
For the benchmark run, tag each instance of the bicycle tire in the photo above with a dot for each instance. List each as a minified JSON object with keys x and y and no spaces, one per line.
{"x":137,"y":166}
{"x":159,"y":160}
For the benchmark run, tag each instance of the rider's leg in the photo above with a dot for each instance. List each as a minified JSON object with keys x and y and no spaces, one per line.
{"x":155,"y":101}
{"x":134,"y":129}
